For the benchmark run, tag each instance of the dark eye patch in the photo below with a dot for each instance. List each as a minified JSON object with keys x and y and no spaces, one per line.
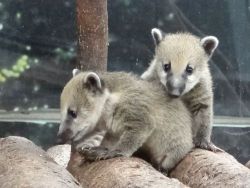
{"x":189,"y":70}
{"x":72,"y":113}
{"x":167,"y":67}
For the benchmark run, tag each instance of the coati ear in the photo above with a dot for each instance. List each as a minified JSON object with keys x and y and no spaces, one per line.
{"x":209,"y":44}
{"x":157,"y":35}
{"x":75,"y":72}
{"x":93,"y":82}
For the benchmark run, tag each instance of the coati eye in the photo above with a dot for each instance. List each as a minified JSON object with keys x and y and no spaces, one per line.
{"x":72,"y":113}
{"x":189,"y":70}
{"x":167,"y":67}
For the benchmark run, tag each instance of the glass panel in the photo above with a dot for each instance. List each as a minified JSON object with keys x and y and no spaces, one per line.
{"x":38,"y":51}
{"x":42,"y":134}
{"x":131,"y":46}
{"x":37,"y":48}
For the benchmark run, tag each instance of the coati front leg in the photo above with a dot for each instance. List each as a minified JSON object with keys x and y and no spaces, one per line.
{"x":100,"y":152}
{"x":202,"y":128}
{"x":90,"y":140}
{"x":132,"y":138}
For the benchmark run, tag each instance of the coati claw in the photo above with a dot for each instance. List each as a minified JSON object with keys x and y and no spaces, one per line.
{"x":99,"y":153}
{"x":208,"y":146}
{"x":89,"y":150}
{"x":85,"y":148}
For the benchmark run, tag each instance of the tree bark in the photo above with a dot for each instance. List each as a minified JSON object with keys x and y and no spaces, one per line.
{"x":206,"y":169}
{"x":92,"y":25}
{"x":60,"y":154}
{"x":119,"y":172}
{"x":23,"y":164}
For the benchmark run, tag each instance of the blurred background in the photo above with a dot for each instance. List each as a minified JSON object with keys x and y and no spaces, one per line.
{"x":38,"y":51}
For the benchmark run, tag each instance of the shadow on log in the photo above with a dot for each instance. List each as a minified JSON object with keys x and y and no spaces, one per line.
{"x":23,"y":164}
{"x":248,"y":164}
{"x":205,"y":169}
{"x":119,"y":172}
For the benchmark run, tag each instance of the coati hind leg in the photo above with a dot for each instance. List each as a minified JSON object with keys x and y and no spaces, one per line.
{"x":168,"y":162}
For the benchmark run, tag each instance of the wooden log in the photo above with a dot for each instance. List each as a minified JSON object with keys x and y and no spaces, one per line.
{"x":200,"y":168}
{"x":92,"y":25}
{"x":23,"y":164}
{"x":60,"y":154}
{"x":205,"y":169}
{"x":119,"y":172}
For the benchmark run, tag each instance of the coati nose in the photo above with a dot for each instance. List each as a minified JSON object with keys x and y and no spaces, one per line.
{"x":175,"y":91}
{"x":173,"y":95}
{"x":63,"y":137}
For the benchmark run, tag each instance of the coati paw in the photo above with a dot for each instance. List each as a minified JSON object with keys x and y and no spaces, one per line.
{"x":99,"y":153}
{"x":92,"y":153}
{"x":208,"y":146}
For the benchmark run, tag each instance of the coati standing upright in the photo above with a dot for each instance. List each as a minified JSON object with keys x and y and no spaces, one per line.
{"x":137,"y":115}
{"x":181,"y":65}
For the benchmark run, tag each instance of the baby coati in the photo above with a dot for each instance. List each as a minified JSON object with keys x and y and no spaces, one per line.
{"x":180,"y":64}
{"x":135,"y":115}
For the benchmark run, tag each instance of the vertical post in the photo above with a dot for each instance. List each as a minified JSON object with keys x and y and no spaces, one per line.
{"x":92,"y":25}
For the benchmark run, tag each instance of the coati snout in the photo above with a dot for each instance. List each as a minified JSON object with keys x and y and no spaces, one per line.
{"x":64,"y":137}
{"x":175,"y":85}
{"x":80,"y":98}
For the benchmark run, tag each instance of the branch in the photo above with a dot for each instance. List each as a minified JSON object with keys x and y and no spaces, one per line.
{"x":23,"y":164}
{"x":202,"y":168}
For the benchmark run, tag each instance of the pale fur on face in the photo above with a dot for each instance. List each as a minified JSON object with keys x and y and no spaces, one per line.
{"x":181,"y":50}
{"x":87,"y":105}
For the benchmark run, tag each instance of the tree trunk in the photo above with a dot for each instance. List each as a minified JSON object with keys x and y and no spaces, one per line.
{"x":119,"y":172}
{"x":206,"y":169}
{"x":92,"y":25}
{"x":23,"y":164}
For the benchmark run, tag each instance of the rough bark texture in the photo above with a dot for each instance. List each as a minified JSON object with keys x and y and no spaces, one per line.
{"x":206,"y":169}
{"x":200,"y":169}
{"x":119,"y":172}
{"x":92,"y":24}
{"x":248,"y":164}
{"x":23,"y":164}
{"x":60,"y":154}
